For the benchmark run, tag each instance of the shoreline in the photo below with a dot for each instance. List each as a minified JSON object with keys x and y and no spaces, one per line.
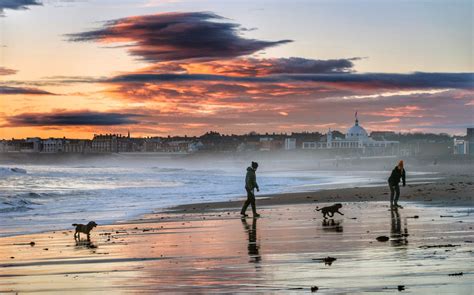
{"x":460,"y":188}
{"x":430,"y":193}
{"x":284,"y":251}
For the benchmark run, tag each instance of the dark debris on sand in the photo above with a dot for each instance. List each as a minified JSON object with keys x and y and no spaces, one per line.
{"x":399,"y":288}
{"x":438,"y":246}
{"x":327,"y":260}
{"x":455,"y":274}
{"x":382,"y":238}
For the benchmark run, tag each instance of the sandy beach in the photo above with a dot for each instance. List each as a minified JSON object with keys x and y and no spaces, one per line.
{"x":208,"y":248}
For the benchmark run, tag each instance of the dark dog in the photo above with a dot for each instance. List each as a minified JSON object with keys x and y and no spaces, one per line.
{"x":84,"y":228}
{"x":330,"y":210}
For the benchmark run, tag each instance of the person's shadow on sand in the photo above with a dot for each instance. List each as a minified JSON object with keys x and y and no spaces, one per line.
{"x":253,"y":247}
{"x":397,"y":237}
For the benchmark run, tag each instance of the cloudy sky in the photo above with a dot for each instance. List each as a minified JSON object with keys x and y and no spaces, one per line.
{"x":157,"y":67}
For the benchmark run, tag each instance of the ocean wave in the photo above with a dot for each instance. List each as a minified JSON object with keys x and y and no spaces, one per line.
{"x":10,"y":171}
{"x":18,"y":203}
{"x":161,"y":169}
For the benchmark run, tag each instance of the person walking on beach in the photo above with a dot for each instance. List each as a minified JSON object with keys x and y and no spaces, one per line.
{"x":250,"y":185}
{"x":393,"y":182}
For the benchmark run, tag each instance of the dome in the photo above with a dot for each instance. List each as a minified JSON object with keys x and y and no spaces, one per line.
{"x":356,"y":132}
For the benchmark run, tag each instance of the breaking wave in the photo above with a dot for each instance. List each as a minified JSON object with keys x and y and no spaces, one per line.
{"x":11,"y":171}
{"x":19,"y":203}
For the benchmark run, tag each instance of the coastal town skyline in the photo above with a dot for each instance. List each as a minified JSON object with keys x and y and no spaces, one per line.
{"x":186,"y":67}
{"x":263,"y":133}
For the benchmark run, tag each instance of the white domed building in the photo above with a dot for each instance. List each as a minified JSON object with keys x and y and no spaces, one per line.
{"x":356,"y":138}
{"x":356,"y":132}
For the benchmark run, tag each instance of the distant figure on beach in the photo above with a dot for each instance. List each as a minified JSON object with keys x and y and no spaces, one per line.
{"x":250,"y":186}
{"x":393,"y":182}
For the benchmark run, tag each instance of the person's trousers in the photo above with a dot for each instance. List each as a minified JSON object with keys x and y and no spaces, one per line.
{"x":394,"y":192}
{"x":250,"y":201}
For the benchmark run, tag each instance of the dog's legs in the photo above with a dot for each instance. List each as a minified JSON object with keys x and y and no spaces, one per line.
{"x":339,"y":212}
{"x":88,"y":236}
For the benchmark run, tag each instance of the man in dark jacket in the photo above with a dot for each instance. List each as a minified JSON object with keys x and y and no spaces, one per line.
{"x":250,"y":185}
{"x":393,"y":182}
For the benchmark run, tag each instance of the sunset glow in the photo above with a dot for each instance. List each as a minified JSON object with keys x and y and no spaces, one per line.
{"x":75,"y":68}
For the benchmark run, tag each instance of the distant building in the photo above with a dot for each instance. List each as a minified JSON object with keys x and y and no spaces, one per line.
{"x":464,"y":146}
{"x":269,"y":144}
{"x":3,"y":146}
{"x":290,"y":144}
{"x":53,"y":145}
{"x":382,"y":135}
{"x":13,"y":145}
{"x":470,"y":141}
{"x":195,"y":146}
{"x":460,"y":147}
{"x":356,"y":138}
{"x":77,"y":146}
{"x":176,"y":146}
{"x":153,"y":144}
{"x":34,"y":144}
{"x":111,"y":143}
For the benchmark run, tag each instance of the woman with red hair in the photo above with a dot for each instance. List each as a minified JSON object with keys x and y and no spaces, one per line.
{"x":393,"y":182}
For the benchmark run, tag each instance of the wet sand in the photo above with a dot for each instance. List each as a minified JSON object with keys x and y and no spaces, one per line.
{"x":281,"y":252}
{"x":207,"y":248}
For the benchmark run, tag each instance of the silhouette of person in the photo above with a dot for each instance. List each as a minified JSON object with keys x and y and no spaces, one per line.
{"x":253,"y":247}
{"x":398,"y":238}
{"x":250,"y":186}
{"x":393,"y":182}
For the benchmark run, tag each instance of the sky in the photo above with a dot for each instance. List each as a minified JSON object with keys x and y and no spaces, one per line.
{"x":75,"y":68}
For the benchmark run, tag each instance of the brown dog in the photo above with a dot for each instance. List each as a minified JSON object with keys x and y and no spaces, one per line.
{"x":330,"y":210}
{"x":84,"y":228}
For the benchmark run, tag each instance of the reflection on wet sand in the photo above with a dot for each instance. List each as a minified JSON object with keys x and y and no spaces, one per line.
{"x":397,"y":238}
{"x":332,"y":225}
{"x":85,"y":244}
{"x":220,"y":253}
{"x":253,"y":246}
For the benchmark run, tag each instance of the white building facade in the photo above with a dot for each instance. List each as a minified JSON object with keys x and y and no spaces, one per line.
{"x":290,"y":144}
{"x":53,"y":145}
{"x":355,"y":138}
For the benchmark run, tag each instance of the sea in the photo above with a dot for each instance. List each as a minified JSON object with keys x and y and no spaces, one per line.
{"x":38,"y":198}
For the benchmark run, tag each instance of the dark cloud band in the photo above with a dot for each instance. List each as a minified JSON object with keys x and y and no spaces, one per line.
{"x":177,"y":36}
{"x":6,"y":90}
{"x":16,"y":5}
{"x":295,"y":65}
{"x":369,"y":80}
{"x":72,"y":118}
{"x":6,"y":71}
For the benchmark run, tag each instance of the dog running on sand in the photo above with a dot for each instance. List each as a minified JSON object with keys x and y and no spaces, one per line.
{"x":330,"y":210}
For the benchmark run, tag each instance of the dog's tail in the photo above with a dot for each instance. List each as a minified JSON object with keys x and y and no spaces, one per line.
{"x":317,"y":209}
{"x":74,"y":224}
